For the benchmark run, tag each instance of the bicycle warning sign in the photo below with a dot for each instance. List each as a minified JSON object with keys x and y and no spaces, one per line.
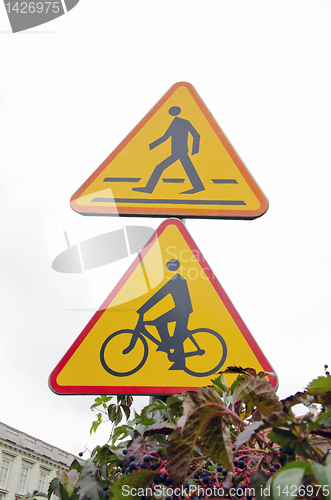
{"x":168,"y":326}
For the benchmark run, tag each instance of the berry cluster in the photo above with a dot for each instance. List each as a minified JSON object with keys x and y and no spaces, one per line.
{"x":202,"y":474}
{"x":145,"y":463}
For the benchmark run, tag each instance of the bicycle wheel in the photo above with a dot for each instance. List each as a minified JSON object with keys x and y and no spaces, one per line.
{"x":213,"y":358}
{"x":115,"y":361}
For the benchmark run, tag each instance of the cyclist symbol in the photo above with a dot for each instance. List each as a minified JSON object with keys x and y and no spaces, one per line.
{"x":173,"y":345}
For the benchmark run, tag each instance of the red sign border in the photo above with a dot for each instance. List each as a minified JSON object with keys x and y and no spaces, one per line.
{"x":177,"y":211}
{"x":151,"y":390}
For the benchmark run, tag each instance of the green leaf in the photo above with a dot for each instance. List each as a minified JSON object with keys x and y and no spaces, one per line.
{"x":247,"y":433}
{"x":141,"y":479}
{"x":76,"y":465}
{"x":297,"y":398}
{"x":119,"y":415}
{"x":285,"y":438}
{"x":201,"y":409}
{"x":323,"y":476}
{"x":122,"y":431}
{"x":114,"y":413}
{"x":89,"y":483}
{"x":324,"y":419}
{"x":221,"y":383}
{"x":105,"y":456}
{"x":173,"y":399}
{"x":259,"y":482}
{"x":101,"y":400}
{"x":68,"y":480}
{"x":96,"y":423}
{"x":286,"y":482}
{"x":126,"y":411}
{"x":195,"y":399}
{"x":160,"y":428}
{"x":299,"y":464}
{"x":321,"y":387}
{"x":216,"y":442}
{"x":54,"y":487}
{"x":259,"y":392}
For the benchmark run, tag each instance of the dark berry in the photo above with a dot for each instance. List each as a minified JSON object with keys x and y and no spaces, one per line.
{"x":106,"y":488}
{"x":326,"y":367}
{"x":132,"y":466}
{"x":277,"y":465}
{"x":127,"y":470}
{"x":125,"y":451}
{"x":153,"y":466}
{"x":219,"y":468}
{"x":187,"y":486}
{"x":132,"y":458}
{"x":147,"y":458}
{"x":205,"y":479}
{"x":80,"y":453}
{"x":162,"y":478}
{"x":35,"y":491}
{"x":235,"y":463}
{"x":224,"y":472}
{"x":272,"y":468}
{"x":241,"y":464}
{"x":249,"y":497}
{"x":167,"y":498}
{"x":157,"y":480}
{"x":289,"y":450}
{"x":196,"y":475}
{"x":327,"y":373}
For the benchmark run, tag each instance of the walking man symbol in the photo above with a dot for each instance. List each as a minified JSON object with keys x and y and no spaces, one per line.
{"x":178,"y":131}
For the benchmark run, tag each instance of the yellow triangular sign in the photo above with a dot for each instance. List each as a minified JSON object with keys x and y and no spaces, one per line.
{"x":167,"y":326}
{"x":177,"y":162}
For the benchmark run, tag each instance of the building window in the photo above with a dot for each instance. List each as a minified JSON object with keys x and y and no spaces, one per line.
{"x":42,"y":483}
{"x":4,"y":473}
{"x":23,"y":480}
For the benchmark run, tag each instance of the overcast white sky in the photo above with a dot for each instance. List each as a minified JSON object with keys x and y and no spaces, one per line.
{"x":72,"y":89}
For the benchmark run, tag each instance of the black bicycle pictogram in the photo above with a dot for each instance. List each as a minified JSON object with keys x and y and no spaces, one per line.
{"x":138,"y":337}
{"x":123,"y":342}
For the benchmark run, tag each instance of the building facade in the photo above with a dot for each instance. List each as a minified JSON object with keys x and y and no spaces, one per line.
{"x":27,"y":464}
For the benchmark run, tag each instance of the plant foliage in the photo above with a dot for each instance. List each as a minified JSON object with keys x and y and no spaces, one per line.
{"x":214,"y":442}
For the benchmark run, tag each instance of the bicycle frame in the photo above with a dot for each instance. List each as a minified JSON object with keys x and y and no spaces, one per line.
{"x":141,"y":329}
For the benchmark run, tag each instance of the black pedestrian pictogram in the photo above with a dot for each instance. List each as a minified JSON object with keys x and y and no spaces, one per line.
{"x":178,"y":132}
{"x":173,"y":345}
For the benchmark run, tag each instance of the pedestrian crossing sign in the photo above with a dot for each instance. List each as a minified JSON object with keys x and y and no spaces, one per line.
{"x":168,"y":326}
{"x":175,"y":162}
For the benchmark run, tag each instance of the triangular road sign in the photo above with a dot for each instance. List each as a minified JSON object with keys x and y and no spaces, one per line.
{"x":175,"y":162}
{"x":167,"y":326}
